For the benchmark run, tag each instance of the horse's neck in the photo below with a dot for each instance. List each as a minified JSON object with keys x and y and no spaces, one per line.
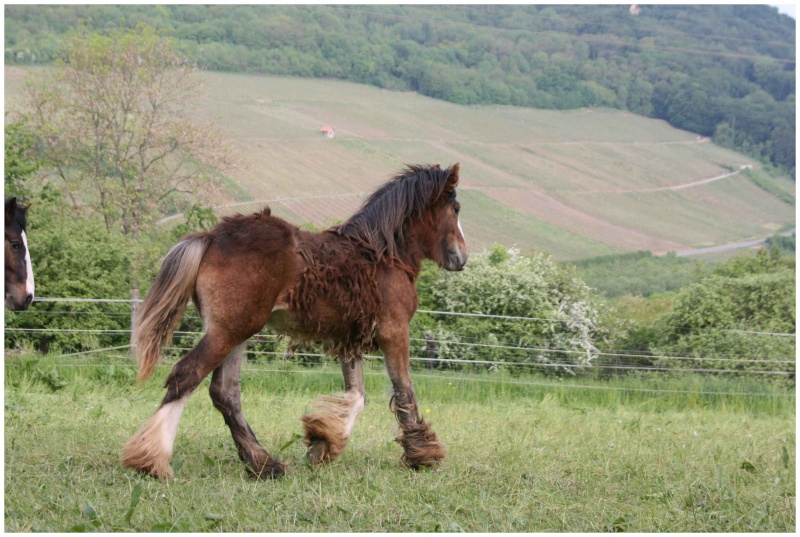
{"x":410,"y":259}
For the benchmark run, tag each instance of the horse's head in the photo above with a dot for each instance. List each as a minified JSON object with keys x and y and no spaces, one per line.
{"x":413,"y":216}
{"x":444,"y":241}
{"x":19,"y":275}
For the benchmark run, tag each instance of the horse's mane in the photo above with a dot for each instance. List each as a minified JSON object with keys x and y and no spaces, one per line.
{"x":379,"y":223}
{"x":20,"y":215}
{"x":21,"y":218}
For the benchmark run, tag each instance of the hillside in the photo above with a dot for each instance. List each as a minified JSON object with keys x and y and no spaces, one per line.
{"x":573,"y":183}
{"x":723,"y":71}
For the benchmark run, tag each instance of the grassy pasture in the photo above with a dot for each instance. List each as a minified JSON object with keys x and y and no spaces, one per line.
{"x":583,"y":172}
{"x":524,"y":454}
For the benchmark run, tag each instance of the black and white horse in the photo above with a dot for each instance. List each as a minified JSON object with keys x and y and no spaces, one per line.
{"x":19,"y":274}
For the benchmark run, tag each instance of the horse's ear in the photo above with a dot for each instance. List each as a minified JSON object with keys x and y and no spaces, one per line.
{"x":452,"y":179}
{"x":11,"y":208}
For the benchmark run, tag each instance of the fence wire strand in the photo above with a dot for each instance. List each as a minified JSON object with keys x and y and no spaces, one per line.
{"x":602,"y":359}
{"x":430,"y":312}
{"x":468,"y":379}
{"x":262,"y":337}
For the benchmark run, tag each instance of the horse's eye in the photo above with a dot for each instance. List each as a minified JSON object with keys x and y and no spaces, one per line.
{"x":457,"y":208}
{"x":16,"y":245}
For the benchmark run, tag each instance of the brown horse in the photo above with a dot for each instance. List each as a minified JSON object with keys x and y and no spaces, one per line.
{"x":19,"y":274}
{"x":351,"y":287}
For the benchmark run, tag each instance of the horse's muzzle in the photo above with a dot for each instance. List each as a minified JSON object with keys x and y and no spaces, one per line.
{"x":18,"y":303}
{"x":456,"y":259}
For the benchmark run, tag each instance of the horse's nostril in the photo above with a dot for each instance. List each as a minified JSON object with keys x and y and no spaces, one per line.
{"x":28,"y":300}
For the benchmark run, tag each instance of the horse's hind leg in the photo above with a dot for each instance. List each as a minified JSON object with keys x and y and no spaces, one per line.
{"x":328,"y":427}
{"x":226,"y":396}
{"x":150,"y":449}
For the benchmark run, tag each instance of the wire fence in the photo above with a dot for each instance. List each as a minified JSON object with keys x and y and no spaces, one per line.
{"x":268,"y":348}
{"x":596,"y":364}
{"x":255,"y":368}
{"x":275,"y":338}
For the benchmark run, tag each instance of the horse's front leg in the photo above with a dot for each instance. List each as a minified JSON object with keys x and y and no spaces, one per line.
{"x":328,"y":427}
{"x":420,"y":444}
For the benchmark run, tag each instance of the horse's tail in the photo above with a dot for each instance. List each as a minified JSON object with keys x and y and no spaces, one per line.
{"x":166,"y":301}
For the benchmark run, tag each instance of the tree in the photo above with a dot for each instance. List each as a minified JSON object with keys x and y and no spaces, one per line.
{"x":113,"y":124}
{"x":19,"y":163}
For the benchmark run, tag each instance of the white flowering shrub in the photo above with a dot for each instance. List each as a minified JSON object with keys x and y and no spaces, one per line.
{"x":505,"y":283}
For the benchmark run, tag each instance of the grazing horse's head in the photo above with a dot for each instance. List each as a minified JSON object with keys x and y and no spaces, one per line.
{"x":442,"y":236}
{"x":19,"y":275}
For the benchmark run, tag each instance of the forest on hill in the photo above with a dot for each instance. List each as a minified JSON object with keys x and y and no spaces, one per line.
{"x":726,"y":72}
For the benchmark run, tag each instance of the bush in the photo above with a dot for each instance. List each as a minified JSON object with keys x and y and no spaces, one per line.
{"x":502,"y":282}
{"x":732,"y":319}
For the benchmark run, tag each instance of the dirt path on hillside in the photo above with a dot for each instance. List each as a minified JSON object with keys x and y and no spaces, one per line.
{"x":665,"y":188}
{"x":731,"y":246}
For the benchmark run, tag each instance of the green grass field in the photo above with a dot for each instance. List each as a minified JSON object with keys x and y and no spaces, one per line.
{"x":575,"y":184}
{"x":524,"y":454}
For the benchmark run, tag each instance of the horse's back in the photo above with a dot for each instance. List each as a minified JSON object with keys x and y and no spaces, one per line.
{"x":253,"y":234}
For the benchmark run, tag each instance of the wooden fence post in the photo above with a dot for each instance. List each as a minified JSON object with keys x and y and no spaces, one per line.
{"x":134,"y":310}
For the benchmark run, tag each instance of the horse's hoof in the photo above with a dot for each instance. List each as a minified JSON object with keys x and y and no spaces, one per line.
{"x":421,"y":447}
{"x":269,"y":470}
{"x":164,"y":475}
{"x":318,"y":452}
{"x":417,"y":463}
{"x":157,"y":468}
